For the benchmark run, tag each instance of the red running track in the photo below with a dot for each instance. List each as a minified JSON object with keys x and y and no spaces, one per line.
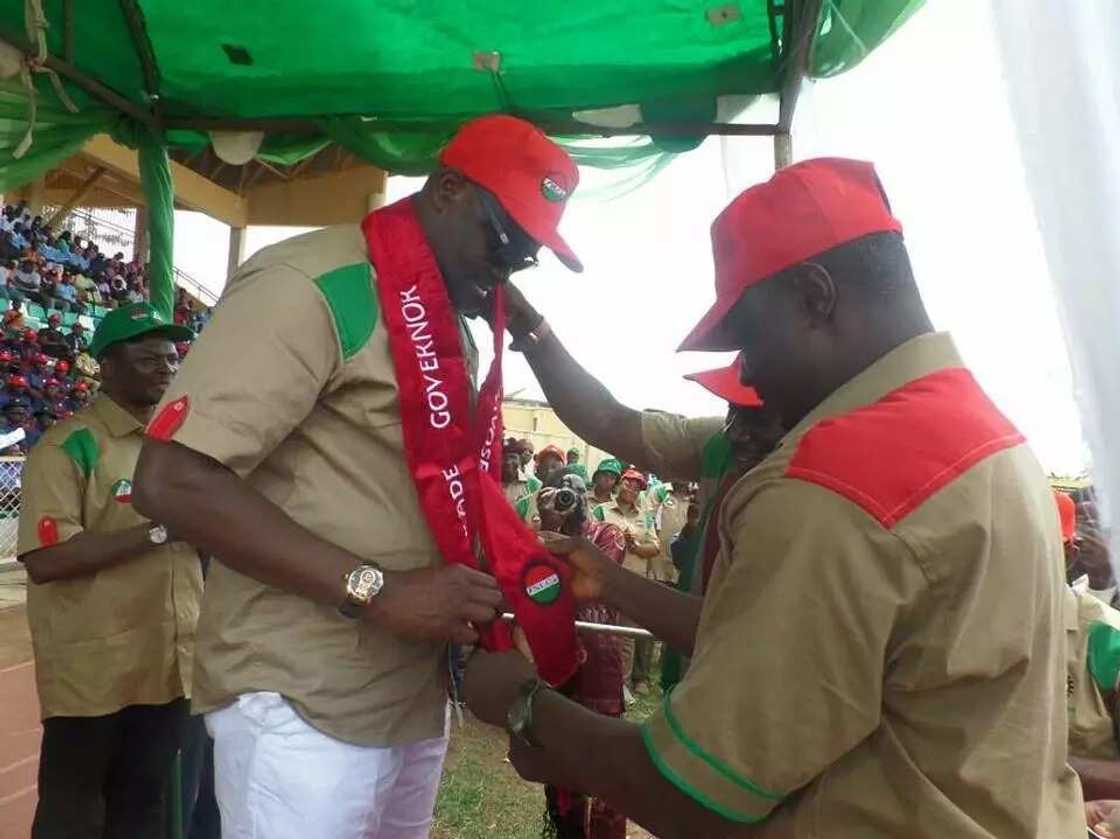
{"x":19,"y":726}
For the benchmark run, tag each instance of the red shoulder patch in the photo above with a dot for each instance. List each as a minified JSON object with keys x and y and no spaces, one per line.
{"x":48,"y":532}
{"x":164,"y":425}
{"x":890,"y":456}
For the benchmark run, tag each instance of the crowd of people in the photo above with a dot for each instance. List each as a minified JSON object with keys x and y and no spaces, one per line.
{"x":57,"y":270}
{"x":857,"y":567}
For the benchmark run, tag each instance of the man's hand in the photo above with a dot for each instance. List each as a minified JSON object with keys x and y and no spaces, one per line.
{"x":491,"y":682}
{"x":436,"y":604}
{"x":1098,"y":815}
{"x":591,"y":568}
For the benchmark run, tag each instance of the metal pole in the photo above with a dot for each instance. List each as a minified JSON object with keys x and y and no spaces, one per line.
{"x":601,"y":628}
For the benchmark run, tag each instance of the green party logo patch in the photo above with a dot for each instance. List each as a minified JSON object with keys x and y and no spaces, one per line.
{"x":552,"y":189}
{"x":122,"y":491}
{"x":542,"y":584}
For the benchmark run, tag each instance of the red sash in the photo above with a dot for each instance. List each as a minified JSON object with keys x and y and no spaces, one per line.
{"x":454,"y":453}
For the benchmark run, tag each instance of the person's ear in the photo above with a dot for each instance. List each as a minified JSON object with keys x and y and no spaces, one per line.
{"x":816,"y":293}
{"x":449,"y":191}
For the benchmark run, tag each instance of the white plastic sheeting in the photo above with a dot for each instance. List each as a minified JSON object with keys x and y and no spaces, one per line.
{"x":1062,"y":72}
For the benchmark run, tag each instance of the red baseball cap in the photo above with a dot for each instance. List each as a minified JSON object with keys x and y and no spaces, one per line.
{"x":1067,"y":515}
{"x":551,"y":449}
{"x":62,"y":366}
{"x":724,"y":383}
{"x":17,"y":381}
{"x":530,"y":175}
{"x":633,"y":474}
{"x":54,"y":318}
{"x":802,"y":211}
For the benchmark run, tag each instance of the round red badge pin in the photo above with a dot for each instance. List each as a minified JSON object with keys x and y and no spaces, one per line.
{"x":542,"y":584}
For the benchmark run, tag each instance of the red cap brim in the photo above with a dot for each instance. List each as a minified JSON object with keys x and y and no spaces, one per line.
{"x":548,"y":237}
{"x":724,"y":382}
{"x":708,"y":335}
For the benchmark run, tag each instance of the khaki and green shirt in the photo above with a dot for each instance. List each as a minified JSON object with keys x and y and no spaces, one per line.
{"x":1093,"y":634}
{"x":291,"y":386}
{"x":638,"y":522}
{"x":124,"y":635}
{"x":881,"y":651}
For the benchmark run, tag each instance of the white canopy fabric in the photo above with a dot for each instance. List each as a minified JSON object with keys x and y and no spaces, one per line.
{"x":1062,"y":72}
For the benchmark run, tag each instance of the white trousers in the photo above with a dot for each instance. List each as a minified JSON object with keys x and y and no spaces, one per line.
{"x":276,"y":777}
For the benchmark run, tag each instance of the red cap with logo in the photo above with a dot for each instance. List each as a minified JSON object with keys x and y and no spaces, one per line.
{"x":724,"y":383}
{"x":802,"y":211}
{"x":530,"y":175}
{"x":17,"y":381}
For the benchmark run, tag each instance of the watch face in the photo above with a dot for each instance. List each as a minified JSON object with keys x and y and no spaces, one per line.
{"x":365,"y":582}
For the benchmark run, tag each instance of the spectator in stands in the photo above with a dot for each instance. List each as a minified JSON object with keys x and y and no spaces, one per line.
{"x":79,"y":396}
{"x":17,"y":414}
{"x":44,"y":420}
{"x":136,"y":292}
{"x":119,"y":291}
{"x":68,"y":293}
{"x":113,"y":710}
{"x":86,"y":290}
{"x":51,"y":338}
{"x":76,"y":341}
{"x":105,"y":290}
{"x":7,"y":267}
{"x":13,"y":318}
{"x":48,"y":286}
{"x":28,"y":282}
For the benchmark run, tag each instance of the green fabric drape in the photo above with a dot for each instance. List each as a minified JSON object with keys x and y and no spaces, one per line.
{"x":155,"y":177}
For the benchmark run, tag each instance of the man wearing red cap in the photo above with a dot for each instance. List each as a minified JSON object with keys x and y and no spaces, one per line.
{"x":321,"y":441}
{"x":882,"y":642}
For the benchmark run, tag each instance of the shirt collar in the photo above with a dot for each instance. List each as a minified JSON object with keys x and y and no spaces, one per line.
{"x":911,"y":360}
{"x":119,"y":421}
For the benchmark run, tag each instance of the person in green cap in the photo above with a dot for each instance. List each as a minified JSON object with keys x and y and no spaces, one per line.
{"x":112,"y":601}
{"x":603,"y":482}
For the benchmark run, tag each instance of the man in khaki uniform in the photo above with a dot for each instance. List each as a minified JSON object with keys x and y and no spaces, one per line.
{"x":281,"y":447}
{"x":636,"y":523}
{"x":881,"y":650}
{"x":112,"y":601}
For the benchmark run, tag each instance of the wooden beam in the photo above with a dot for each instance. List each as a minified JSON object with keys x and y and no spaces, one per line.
{"x":191,"y":189}
{"x":316,"y":201}
{"x":87,"y":83}
{"x":289,"y":125}
{"x":81,"y":192}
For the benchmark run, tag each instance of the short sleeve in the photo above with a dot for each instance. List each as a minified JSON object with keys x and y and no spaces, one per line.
{"x":54,"y":481}
{"x":674,"y":444}
{"x":1104,"y":656}
{"x":268,"y":353}
{"x":789,"y":660}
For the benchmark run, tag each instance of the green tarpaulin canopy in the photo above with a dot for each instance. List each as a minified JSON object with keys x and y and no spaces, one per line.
{"x":390,"y":80}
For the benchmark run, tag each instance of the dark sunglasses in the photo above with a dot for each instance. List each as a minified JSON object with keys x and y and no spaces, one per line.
{"x":508,"y":254}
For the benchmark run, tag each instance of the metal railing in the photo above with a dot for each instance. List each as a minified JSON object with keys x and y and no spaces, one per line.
{"x":11,"y":479}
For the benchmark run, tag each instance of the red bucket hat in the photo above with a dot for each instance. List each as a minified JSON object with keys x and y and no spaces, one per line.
{"x":802,"y":211}
{"x":530,"y":175}
{"x":724,"y":383}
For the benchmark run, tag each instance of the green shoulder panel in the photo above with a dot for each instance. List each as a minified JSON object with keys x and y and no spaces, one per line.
{"x":522,"y":507}
{"x":1104,"y":656}
{"x":353,"y":303}
{"x":82,"y":448}
{"x":715,"y":457}
{"x":598,"y":514}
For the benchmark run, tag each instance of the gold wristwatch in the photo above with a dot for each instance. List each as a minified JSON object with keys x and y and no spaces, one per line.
{"x":362,"y":585}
